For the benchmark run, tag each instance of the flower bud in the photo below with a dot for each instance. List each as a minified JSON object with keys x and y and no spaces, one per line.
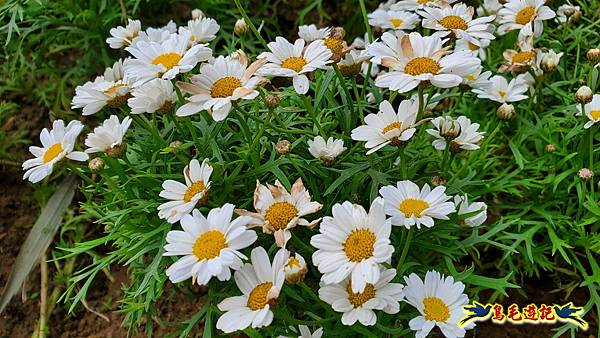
{"x":585,"y":174}
{"x":550,"y":61}
{"x":241,"y":27}
{"x":96,"y":164}
{"x":593,"y":54}
{"x":272,"y":101}
{"x":550,"y":148}
{"x":584,"y":95}
{"x":575,"y":17}
{"x":437,"y":181}
{"x":283,"y":147}
{"x":117,"y":150}
{"x":506,"y":112}
{"x":448,"y":128}
{"x":295,"y":269}
{"x":197,"y":14}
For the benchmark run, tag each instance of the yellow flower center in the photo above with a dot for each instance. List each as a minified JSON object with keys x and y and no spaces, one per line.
{"x":225,"y":86}
{"x":422,"y":2}
{"x":295,"y":63}
{"x":192,"y":190}
{"x":358,"y":299}
{"x":392,"y":126}
{"x":473,"y":47}
{"x":595,"y":114}
{"x":502,"y":93}
{"x":359,"y":245}
{"x":293,"y":261}
{"x":523,"y":57}
{"x":413,"y":206}
{"x":396,"y":22}
{"x":52,"y":152}
{"x":169,"y":60}
{"x":435,"y":309}
{"x":209,"y":244}
{"x":525,"y":15}
{"x":422,"y":65}
{"x":258,"y":297}
{"x":454,"y":22}
{"x":335,"y":45}
{"x":280,"y":214}
{"x":471,"y":77}
{"x":113,"y":89}
{"x":166,"y":107}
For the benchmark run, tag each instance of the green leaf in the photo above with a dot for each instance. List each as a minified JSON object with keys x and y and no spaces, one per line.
{"x":39,"y":238}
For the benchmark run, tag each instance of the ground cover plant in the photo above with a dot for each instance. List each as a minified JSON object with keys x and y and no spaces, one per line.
{"x":364,"y":178}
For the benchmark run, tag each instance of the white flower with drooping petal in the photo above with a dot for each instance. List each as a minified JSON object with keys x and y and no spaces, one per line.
{"x":476,"y":47}
{"x":153,"y":96}
{"x":396,"y":20}
{"x":592,"y":111}
{"x":413,"y":5}
{"x":457,"y":22}
{"x":489,"y":7}
{"x":478,"y":80}
{"x":566,"y":10}
{"x":57,"y":144}
{"x":210,"y":245}
{"x":221,"y":82}
{"x":110,"y":89}
{"x":439,"y":301}
{"x":184,"y":197}
{"x":352,"y":244}
{"x":388,"y":126}
{"x":525,"y":15}
{"x":202,"y":30}
{"x":310,"y":33}
{"x":163,"y":60}
{"x":260,"y":283}
{"x":416,"y":59}
{"x":123,"y":36}
{"x":500,"y":90}
{"x":326,"y":151}
{"x":463,"y":206}
{"x":107,"y":137}
{"x":410,"y":206}
{"x":294,"y":60}
{"x":360,"y":306}
{"x":468,"y":137}
{"x":279,"y":211}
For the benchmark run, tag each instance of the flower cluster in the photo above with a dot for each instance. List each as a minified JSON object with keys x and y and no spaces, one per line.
{"x":175,"y":73}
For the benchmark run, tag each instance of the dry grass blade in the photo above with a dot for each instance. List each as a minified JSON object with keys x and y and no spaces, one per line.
{"x":39,"y":238}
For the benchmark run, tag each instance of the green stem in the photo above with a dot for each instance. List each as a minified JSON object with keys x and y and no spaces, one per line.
{"x":421,"y":102}
{"x":250,"y":24}
{"x":363,"y":10}
{"x":405,"y":249}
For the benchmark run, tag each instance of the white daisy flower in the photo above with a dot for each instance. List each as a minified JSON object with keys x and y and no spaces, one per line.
{"x":278,"y":211}
{"x":221,"y":82}
{"x":396,"y":20}
{"x":294,"y":60}
{"x":592,"y":111}
{"x":295,"y":268}
{"x":210,"y":246}
{"x":260,"y":283}
{"x":156,"y":95}
{"x":422,"y":59}
{"x":476,"y":47}
{"x":388,"y":126}
{"x":360,"y":306}
{"x":123,"y":36}
{"x":410,"y":206}
{"x":352,"y":244}
{"x":439,"y":300}
{"x":110,"y":89}
{"x":108,"y":137}
{"x":463,"y":207}
{"x":310,"y":33}
{"x":525,"y":15}
{"x":326,"y":151}
{"x":304,"y":332}
{"x":354,"y":62}
{"x":457,"y":22}
{"x":566,"y":10}
{"x":57,"y":144}
{"x":502,"y":91}
{"x":184,"y":197}
{"x":478,"y":79}
{"x":468,"y":137}
{"x":159,"y":35}
{"x":165,"y":59}
{"x":202,"y":30}
{"x":413,"y":5}
{"x":489,"y":7}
